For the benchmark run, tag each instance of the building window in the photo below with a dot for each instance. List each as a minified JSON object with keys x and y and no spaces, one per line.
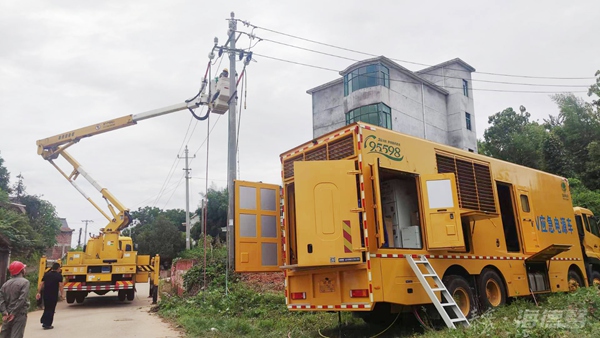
{"x":466,"y":88}
{"x":367,"y":76}
{"x":377,"y":114}
{"x":468,"y":120}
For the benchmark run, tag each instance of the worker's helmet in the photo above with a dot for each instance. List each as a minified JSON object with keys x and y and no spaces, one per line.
{"x":16,"y":267}
{"x":226,"y":70}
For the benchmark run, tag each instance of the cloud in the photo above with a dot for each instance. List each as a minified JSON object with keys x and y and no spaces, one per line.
{"x":68,"y":64}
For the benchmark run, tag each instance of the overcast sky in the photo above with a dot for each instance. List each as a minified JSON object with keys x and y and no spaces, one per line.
{"x":68,"y":64}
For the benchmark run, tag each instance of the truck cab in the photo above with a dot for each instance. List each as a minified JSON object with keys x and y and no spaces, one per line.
{"x":588,"y":228}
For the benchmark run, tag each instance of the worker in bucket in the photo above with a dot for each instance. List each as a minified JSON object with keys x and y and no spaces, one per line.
{"x":14,"y":302}
{"x":224,"y":73}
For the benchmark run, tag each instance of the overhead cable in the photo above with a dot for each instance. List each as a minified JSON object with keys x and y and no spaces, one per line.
{"x":412,"y":62}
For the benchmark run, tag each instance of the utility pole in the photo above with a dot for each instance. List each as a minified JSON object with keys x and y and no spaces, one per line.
{"x":79,"y":240}
{"x":187,"y":199}
{"x":86,"y":221}
{"x":231,"y":159}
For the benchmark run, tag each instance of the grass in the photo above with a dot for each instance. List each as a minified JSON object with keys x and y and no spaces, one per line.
{"x":244,"y":312}
{"x":558,"y":315}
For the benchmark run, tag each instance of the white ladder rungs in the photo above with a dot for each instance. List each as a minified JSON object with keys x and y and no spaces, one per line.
{"x":439,"y":286}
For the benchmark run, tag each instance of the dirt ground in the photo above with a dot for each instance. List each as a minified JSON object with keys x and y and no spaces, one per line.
{"x":103,"y":317}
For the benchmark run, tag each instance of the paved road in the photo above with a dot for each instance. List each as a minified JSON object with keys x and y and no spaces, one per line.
{"x":103,"y":317}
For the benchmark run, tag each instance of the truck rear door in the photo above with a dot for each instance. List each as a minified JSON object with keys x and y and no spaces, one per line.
{"x":441,"y":212}
{"x":327,"y":213}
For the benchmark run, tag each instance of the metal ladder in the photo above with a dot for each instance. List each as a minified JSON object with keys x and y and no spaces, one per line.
{"x":448,"y":300}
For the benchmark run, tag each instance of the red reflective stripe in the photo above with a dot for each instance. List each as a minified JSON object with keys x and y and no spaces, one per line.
{"x":520,"y":258}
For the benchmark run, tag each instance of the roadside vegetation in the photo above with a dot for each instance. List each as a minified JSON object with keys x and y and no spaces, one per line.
{"x":254,"y":306}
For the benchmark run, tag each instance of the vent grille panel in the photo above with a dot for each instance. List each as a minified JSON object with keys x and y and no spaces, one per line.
{"x":337,"y":149}
{"x":473,"y":180}
{"x":319,"y":154}
{"x":341,"y":148}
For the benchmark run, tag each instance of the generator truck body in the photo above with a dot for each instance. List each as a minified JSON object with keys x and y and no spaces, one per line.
{"x":363,"y":207}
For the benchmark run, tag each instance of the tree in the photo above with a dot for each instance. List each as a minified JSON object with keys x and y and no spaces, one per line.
{"x":584,"y":197}
{"x":514,"y":138}
{"x":591,"y":175}
{"x":578,"y":126}
{"x":216,"y":217}
{"x":142,"y":217}
{"x":161,"y":237}
{"x":4,"y":177}
{"x":42,"y":218}
{"x":595,"y":90}
{"x":556,"y":159}
{"x":19,"y":187}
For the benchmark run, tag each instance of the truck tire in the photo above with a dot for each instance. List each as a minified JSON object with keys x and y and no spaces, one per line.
{"x":70,"y":297}
{"x":492,"y":292}
{"x":596,"y":279}
{"x":80,"y":297}
{"x":130,"y":294}
{"x":461,"y":291}
{"x":574,"y":281}
{"x":122,"y":295}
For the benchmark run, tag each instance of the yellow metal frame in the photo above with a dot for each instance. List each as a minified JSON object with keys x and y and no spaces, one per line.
{"x":248,"y":255}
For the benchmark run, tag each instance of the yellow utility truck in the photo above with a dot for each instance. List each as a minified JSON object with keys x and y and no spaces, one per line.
{"x":588,"y":228}
{"x":109,"y":261}
{"x":377,"y":222}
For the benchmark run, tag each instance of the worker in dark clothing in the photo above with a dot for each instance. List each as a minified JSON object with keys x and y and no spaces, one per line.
{"x":52,"y":284}
{"x":14,"y":302}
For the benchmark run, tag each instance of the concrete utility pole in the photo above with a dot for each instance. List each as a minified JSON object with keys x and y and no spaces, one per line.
{"x":231,"y":159}
{"x":187,"y":199}
{"x":86,"y":221}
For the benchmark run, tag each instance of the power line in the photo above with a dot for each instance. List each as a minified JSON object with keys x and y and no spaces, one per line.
{"x":397,"y":80}
{"x":297,"y":63}
{"x":143,"y":202}
{"x":412,"y":62}
{"x":211,"y":129}
{"x":430,"y":74}
{"x":174,"y":190}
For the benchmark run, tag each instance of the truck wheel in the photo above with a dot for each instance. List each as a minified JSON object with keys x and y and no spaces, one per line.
{"x":154,"y":294}
{"x":460,"y":290}
{"x":122,"y":295}
{"x":130,"y":294}
{"x":70,"y":297}
{"x":80,"y":297}
{"x":575,"y":281}
{"x":492,"y":292}
{"x":596,"y":279}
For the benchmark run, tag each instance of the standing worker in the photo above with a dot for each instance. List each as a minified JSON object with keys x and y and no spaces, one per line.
{"x":14,"y":302}
{"x":52,"y":284}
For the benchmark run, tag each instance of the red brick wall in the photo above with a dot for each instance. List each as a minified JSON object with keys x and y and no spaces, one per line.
{"x":177,"y":271}
{"x":56,"y":252}
{"x":64,"y":238}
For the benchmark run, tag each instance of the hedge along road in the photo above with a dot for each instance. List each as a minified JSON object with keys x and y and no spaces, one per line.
{"x":102,"y":317}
